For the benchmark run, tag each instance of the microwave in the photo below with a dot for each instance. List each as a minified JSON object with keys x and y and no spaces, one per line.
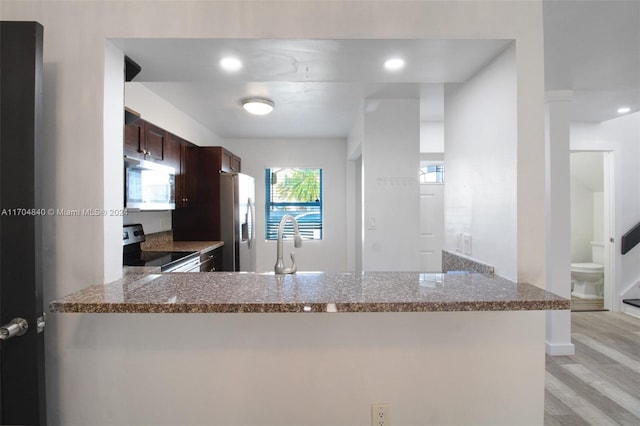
{"x":148,"y":185}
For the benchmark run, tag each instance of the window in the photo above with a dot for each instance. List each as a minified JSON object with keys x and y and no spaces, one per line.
{"x":297,"y":192}
{"x":432,"y":173}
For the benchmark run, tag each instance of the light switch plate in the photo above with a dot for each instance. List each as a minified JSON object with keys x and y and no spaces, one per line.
{"x":466,"y":244}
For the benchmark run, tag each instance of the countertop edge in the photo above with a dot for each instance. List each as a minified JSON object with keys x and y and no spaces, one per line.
{"x":226,"y":308}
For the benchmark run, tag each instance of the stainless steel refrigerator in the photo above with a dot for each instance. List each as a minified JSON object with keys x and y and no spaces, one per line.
{"x":237,"y":221}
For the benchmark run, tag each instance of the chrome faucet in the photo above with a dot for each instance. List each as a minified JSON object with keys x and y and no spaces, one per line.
{"x":297,"y":242}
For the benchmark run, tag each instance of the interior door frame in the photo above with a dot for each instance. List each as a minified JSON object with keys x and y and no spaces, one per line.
{"x":609,"y":240}
{"x":610,"y":300}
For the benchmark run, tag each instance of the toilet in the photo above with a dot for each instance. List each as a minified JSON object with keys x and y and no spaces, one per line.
{"x":587,"y":279}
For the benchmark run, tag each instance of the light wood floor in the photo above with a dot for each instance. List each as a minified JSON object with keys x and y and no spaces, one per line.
{"x":600,"y":384}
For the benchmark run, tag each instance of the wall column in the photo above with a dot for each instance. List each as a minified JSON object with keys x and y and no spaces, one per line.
{"x":558,"y":218}
{"x":390,"y":187}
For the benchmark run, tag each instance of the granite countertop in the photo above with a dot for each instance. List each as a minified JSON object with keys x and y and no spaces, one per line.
{"x":237,"y":292}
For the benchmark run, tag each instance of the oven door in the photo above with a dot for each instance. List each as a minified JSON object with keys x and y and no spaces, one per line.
{"x":191,"y":264}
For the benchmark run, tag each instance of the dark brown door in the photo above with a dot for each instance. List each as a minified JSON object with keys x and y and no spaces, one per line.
{"x":22,"y":387}
{"x":154,"y":141}
{"x":236,"y":164}
{"x":173,"y":158}
{"x":227,"y":161}
{"x":190,"y":172}
{"x":134,"y":139}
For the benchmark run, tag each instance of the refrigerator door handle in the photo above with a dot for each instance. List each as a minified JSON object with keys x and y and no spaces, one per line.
{"x":252,"y":223}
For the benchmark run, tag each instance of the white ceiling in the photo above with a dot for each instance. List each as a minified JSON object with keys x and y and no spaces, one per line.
{"x":317,"y":85}
{"x":592,"y":48}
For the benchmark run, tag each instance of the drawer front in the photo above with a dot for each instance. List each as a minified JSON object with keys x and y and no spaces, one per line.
{"x":211,"y":261}
{"x":208,"y":266}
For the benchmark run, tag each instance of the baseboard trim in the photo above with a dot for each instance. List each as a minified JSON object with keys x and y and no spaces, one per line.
{"x":560,"y":349}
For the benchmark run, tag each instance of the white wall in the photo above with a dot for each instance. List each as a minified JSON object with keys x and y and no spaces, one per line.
{"x":356,"y":135}
{"x":113,"y":177}
{"x":156,"y":110}
{"x":391,"y":191}
{"x":581,"y":221}
{"x":330,"y":253}
{"x":431,"y":136}
{"x":358,"y":227}
{"x":74,"y":120}
{"x":620,"y":136}
{"x":598,"y":217}
{"x":481,"y":144}
{"x":303,"y":369}
{"x":354,"y":191}
{"x":558,"y":218}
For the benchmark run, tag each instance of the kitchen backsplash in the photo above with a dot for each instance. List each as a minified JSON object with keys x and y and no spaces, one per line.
{"x":156,"y":239}
{"x":152,"y":221}
{"x":452,"y":262}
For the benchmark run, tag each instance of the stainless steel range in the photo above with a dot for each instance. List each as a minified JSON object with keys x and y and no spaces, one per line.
{"x":168,"y":261}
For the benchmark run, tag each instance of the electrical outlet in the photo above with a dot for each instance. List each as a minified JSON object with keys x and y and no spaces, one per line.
{"x":381,"y":414}
{"x":466,"y":243}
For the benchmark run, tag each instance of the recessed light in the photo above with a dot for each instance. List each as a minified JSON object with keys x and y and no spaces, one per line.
{"x":230,"y":63}
{"x":257,"y":106}
{"x":394,"y":64}
{"x":623,"y":110}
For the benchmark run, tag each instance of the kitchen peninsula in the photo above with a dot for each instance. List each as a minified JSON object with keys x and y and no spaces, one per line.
{"x":317,"y":348}
{"x":308,"y":292}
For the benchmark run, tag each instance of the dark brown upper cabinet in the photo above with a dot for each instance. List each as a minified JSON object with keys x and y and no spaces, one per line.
{"x":230,"y":163}
{"x":145,"y":141}
{"x":201,"y":221}
{"x":182,"y":155}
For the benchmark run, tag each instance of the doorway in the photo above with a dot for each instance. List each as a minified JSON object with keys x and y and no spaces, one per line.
{"x":592,"y":251}
{"x":431,"y":212}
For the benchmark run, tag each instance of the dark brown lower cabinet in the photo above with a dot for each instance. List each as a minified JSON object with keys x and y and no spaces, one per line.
{"x":211,"y":260}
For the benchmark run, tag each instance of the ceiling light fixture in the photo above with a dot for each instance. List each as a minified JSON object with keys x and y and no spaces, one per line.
{"x":624,"y":110}
{"x":257,"y":106}
{"x":230,"y":64}
{"x":394,"y":64}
